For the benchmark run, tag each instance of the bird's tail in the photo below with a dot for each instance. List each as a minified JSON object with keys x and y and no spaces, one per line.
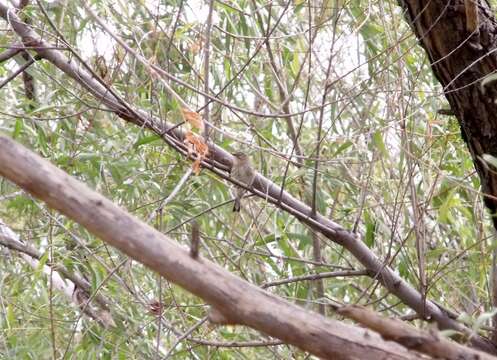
{"x":236,"y":205}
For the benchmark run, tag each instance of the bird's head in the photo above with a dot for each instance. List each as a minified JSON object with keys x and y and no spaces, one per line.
{"x":240,"y":156}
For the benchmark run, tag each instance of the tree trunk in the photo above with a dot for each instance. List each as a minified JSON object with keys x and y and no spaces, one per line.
{"x":460,"y":38}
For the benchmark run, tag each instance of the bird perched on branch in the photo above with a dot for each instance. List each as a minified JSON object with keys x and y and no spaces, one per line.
{"x":243,"y":172}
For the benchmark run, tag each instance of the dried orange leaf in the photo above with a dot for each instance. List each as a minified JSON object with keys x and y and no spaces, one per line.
{"x":193,"y":118}
{"x":189,"y":139}
{"x":196,"y":146}
{"x":196,"y":166}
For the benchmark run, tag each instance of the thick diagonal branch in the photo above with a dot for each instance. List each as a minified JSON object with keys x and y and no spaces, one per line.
{"x":237,"y":299}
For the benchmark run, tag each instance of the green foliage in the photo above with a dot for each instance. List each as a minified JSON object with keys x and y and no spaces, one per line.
{"x":385,"y":153}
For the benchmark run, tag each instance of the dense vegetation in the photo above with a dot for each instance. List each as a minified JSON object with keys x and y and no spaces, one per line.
{"x":339,"y":106}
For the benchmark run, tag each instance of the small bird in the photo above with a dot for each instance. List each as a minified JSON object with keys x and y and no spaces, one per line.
{"x":242,"y":171}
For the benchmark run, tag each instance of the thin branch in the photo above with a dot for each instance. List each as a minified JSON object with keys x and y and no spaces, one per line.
{"x":237,"y":344}
{"x":50,"y":291}
{"x":185,"y":336}
{"x":27,"y":78}
{"x":294,"y":137}
{"x":173,"y":193}
{"x":207,"y":53}
{"x":311,"y":277}
{"x":316,"y":254}
{"x":11,"y":52}
{"x":21,"y":69}
{"x":493,"y":289}
{"x":10,"y":196}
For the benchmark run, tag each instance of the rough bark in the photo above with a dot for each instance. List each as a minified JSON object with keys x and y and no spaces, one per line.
{"x":460,"y":38}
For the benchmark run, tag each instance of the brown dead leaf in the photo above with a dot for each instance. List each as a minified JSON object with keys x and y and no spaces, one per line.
{"x":193,"y":118}
{"x":196,"y":146}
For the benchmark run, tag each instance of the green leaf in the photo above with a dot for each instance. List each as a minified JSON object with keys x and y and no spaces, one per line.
{"x":341,"y":148}
{"x":295,"y":64}
{"x":10,"y":316}
{"x":369,"y":237}
{"x":449,"y":203}
{"x":19,"y":125}
{"x":379,"y":143}
{"x":146,"y":140}
{"x":42,"y":262}
{"x":267,"y":240}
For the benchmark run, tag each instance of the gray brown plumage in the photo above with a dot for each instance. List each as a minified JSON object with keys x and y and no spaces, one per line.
{"x":242,"y":171}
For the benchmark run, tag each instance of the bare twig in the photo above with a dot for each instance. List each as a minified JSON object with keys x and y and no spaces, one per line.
{"x":184,"y":336}
{"x":173,"y":193}
{"x":27,"y":78}
{"x":195,"y":240}
{"x":294,"y":137}
{"x":10,"y":196}
{"x":20,"y":70}
{"x":10,"y":52}
{"x":493,"y":289}
{"x":311,"y":277}
{"x":207,"y":53}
